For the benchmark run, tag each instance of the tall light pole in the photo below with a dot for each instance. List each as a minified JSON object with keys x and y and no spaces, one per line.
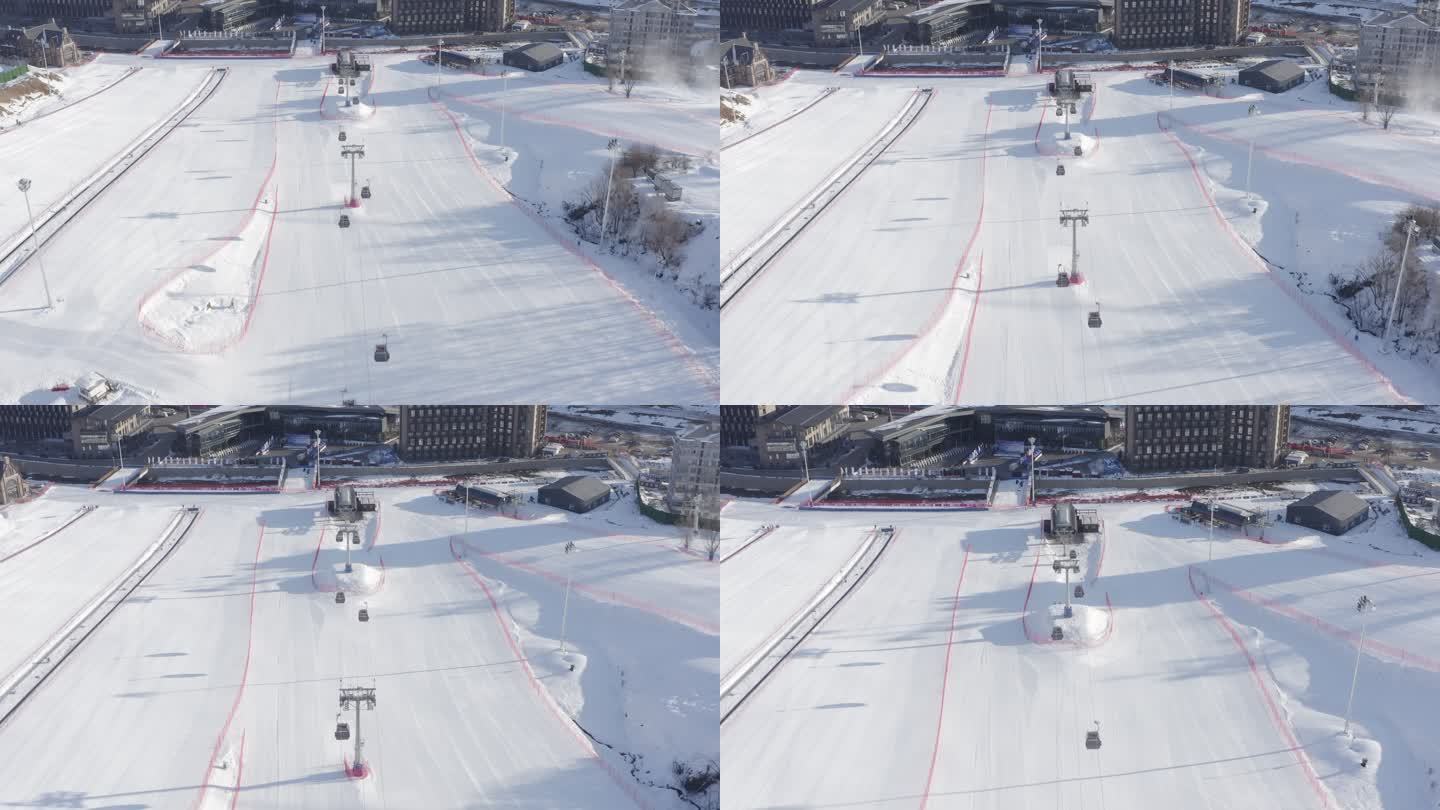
{"x":1210,"y":547}
{"x":1363,"y":607}
{"x":1410,"y":229}
{"x":24,"y":186}
{"x":570,"y":547}
{"x":322,"y":30}
{"x":1172,"y":85}
{"x":504,"y":94}
{"x":605,"y":212}
{"x":439,"y":59}
{"x":1250,"y":156}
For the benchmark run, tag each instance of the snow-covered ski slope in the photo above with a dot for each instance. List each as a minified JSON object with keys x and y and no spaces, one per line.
{"x":935,"y":683}
{"x":216,"y":264}
{"x":932,"y":276}
{"x":215,"y":684}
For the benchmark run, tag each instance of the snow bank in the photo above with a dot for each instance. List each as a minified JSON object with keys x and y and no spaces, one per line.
{"x":208,"y":306}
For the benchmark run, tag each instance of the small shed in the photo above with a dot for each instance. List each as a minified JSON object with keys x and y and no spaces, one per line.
{"x":1328,"y":510}
{"x":534,"y":57}
{"x":1273,"y":76}
{"x":576,"y":493}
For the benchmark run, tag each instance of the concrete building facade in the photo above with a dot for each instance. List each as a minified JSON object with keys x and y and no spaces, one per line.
{"x":744,"y":64}
{"x":1166,"y":438}
{"x":1396,"y":49}
{"x":695,"y":471}
{"x":456,"y":432}
{"x":838,"y":23}
{"x":650,"y":30}
{"x":816,"y":428}
{"x":450,"y":16}
{"x":1180,"y":23}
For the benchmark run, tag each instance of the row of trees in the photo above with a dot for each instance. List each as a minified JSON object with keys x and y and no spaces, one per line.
{"x":1367,"y":291}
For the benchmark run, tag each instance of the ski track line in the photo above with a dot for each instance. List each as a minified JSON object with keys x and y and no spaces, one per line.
{"x":623,"y":134}
{"x":752,"y":541}
{"x":244,"y":223}
{"x":945,"y":680}
{"x":954,"y":280}
{"x":824,"y":94}
{"x":693,"y":622}
{"x":63,"y":107}
{"x":239,"y":774}
{"x":698,"y":370}
{"x":74,"y":518}
{"x":244,"y":676}
{"x":621,"y":782}
{"x":970,"y":328}
{"x":1281,"y":724}
{"x":1348,"y":636}
{"x":1324,"y":325}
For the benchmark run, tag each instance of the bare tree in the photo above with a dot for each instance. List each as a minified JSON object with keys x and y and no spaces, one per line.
{"x":629,"y":88}
{"x":712,"y":547}
{"x":1387,"y":112}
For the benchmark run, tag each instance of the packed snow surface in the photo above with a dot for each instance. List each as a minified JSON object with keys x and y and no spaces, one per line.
{"x":217,"y":679}
{"x":932,"y":277}
{"x":217,"y":264}
{"x":1214,"y":683}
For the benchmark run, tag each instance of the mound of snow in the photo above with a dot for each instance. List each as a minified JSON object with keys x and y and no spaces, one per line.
{"x":1086,"y":625}
{"x":206,"y":306}
{"x":362,"y":579}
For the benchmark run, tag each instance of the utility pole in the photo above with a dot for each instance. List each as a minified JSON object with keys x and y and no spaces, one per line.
{"x":1210,"y":553}
{"x":358,"y":696}
{"x":1075,"y":217}
{"x":1172,"y":85}
{"x":605,"y":212}
{"x":352,"y":151}
{"x":570,"y":547}
{"x":1410,"y":229}
{"x":504,"y":98}
{"x":1364,"y":606}
{"x":1250,"y":156}
{"x":24,"y":186}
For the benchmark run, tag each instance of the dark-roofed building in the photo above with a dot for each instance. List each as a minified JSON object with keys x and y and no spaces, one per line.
{"x":47,"y":45}
{"x":458,"y":432}
{"x":816,"y":428}
{"x":1273,"y":76}
{"x":576,"y":493}
{"x":838,"y":22}
{"x":220,"y":430}
{"x":12,"y":483}
{"x":534,"y":57}
{"x":1332,"y":511}
{"x":743,"y":63}
{"x":101,"y":431}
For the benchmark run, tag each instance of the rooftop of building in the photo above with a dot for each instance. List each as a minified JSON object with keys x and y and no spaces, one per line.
{"x":803,"y":416}
{"x":1278,"y":70}
{"x":1336,"y":503}
{"x":583,"y":487}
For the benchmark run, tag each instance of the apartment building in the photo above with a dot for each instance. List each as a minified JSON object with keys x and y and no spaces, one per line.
{"x":459,"y":432}
{"x":1166,"y":438}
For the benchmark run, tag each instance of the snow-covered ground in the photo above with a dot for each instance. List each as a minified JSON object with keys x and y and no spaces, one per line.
{"x":932,"y":277}
{"x":219,"y":675}
{"x":1215,"y":684}
{"x":224,"y":270}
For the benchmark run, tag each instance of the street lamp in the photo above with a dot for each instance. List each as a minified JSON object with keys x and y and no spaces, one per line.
{"x":1364,"y":606}
{"x":1250,"y":157}
{"x":24,"y":186}
{"x":1410,"y":230}
{"x":570,"y":547}
{"x":605,"y":212}
{"x":439,"y":58}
